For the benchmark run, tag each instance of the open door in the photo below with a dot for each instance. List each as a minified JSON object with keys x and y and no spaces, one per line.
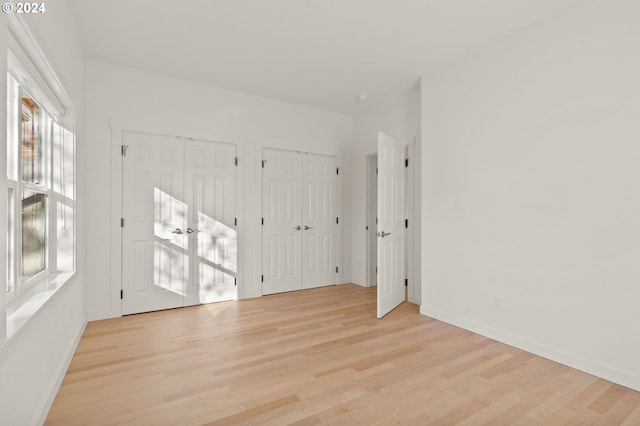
{"x":391,"y":229}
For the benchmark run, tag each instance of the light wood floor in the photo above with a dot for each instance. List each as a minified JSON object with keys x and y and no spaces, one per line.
{"x":319,"y":357}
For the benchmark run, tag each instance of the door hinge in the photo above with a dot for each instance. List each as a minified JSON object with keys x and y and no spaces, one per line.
{"x":235,"y":282}
{"x":263,"y":161}
{"x":376,"y":220}
{"x":406,"y":282}
{"x":406,"y":223}
{"x":261,"y":278}
{"x":123,"y":150}
{"x":337,"y":220}
{"x":337,"y":170}
{"x":366,"y":227}
{"x":121,"y":294}
{"x":122,"y":222}
{"x":337,"y":269}
{"x":376,"y":269}
{"x":406,"y":162}
{"x":376,"y":171}
{"x":262,"y":220}
{"x":235,"y":161}
{"x":235,"y":221}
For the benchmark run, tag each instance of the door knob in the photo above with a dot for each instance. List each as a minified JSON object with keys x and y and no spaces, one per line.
{"x":297,"y":228}
{"x":191,"y":231}
{"x":306,"y":228}
{"x":384,"y":234}
{"x":177,"y":231}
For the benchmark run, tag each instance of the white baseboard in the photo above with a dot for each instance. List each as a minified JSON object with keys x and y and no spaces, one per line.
{"x":603,"y":371}
{"x":59,"y":376}
{"x":101,"y":315}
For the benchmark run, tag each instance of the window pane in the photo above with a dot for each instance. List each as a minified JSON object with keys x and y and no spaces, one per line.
{"x":34,"y":233}
{"x":30,"y":139}
{"x":10,"y":242}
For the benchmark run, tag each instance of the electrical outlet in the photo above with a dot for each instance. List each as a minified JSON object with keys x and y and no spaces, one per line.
{"x":497,"y":302}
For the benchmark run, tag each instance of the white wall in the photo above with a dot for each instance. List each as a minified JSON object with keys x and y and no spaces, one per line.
{"x":137,"y":100}
{"x":33,"y":362}
{"x":398,"y":115}
{"x":531,"y":154}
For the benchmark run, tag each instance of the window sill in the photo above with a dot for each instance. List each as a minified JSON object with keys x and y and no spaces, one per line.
{"x":24,"y":307}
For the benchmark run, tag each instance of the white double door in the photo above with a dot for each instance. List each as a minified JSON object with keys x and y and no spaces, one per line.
{"x":179,"y":240}
{"x":299,"y":231}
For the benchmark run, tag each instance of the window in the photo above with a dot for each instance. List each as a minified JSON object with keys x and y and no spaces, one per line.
{"x":40,"y":175}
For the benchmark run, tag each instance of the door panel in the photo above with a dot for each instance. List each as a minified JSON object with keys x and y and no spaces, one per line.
{"x":391,"y":229}
{"x":319,"y":212}
{"x":154,"y":248}
{"x":210,"y":175}
{"x":282,"y":228}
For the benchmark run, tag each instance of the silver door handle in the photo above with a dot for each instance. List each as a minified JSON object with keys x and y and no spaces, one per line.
{"x":177,"y":231}
{"x":306,"y":228}
{"x":384,"y":234}
{"x":297,"y":228}
{"x":191,"y":231}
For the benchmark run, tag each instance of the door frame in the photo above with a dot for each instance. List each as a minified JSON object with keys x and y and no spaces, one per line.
{"x":115,"y":213}
{"x":412,"y":208}
{"x":372,"y":211}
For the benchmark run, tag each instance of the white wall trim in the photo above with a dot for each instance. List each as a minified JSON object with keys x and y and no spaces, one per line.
{"x":115,"y":243}
{"x":368,"y":279}
{"x":413,"y":294}
{"x":341,"y":261}
{"x":59,"y":376}
{"x":240,"y":226}
{"x":600,"y":370}
{"x":27,"y":50}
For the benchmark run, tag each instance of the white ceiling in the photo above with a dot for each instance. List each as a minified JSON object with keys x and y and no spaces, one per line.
{"x":320,"y":53}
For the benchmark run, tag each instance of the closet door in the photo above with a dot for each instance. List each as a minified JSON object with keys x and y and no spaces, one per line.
{"x":282,"y":216}
{"x":319,"y":220}
{"x":210,"y":176}
{"x":179,"y":242}
{"x":154,"y":245}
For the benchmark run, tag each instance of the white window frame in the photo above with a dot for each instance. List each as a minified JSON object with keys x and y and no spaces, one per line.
{"x":14,"y":254}
{"x":33,"y":74}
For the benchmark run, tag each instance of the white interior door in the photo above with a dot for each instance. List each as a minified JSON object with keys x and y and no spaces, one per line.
{"x":154,"y":245}
{"x":282,"y":216}
{"x":210,"y":175}
{"x":319,"y":220}
{"x":391,"y":230}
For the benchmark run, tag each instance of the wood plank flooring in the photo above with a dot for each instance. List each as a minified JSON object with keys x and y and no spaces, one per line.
{"x":319,"y":357}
